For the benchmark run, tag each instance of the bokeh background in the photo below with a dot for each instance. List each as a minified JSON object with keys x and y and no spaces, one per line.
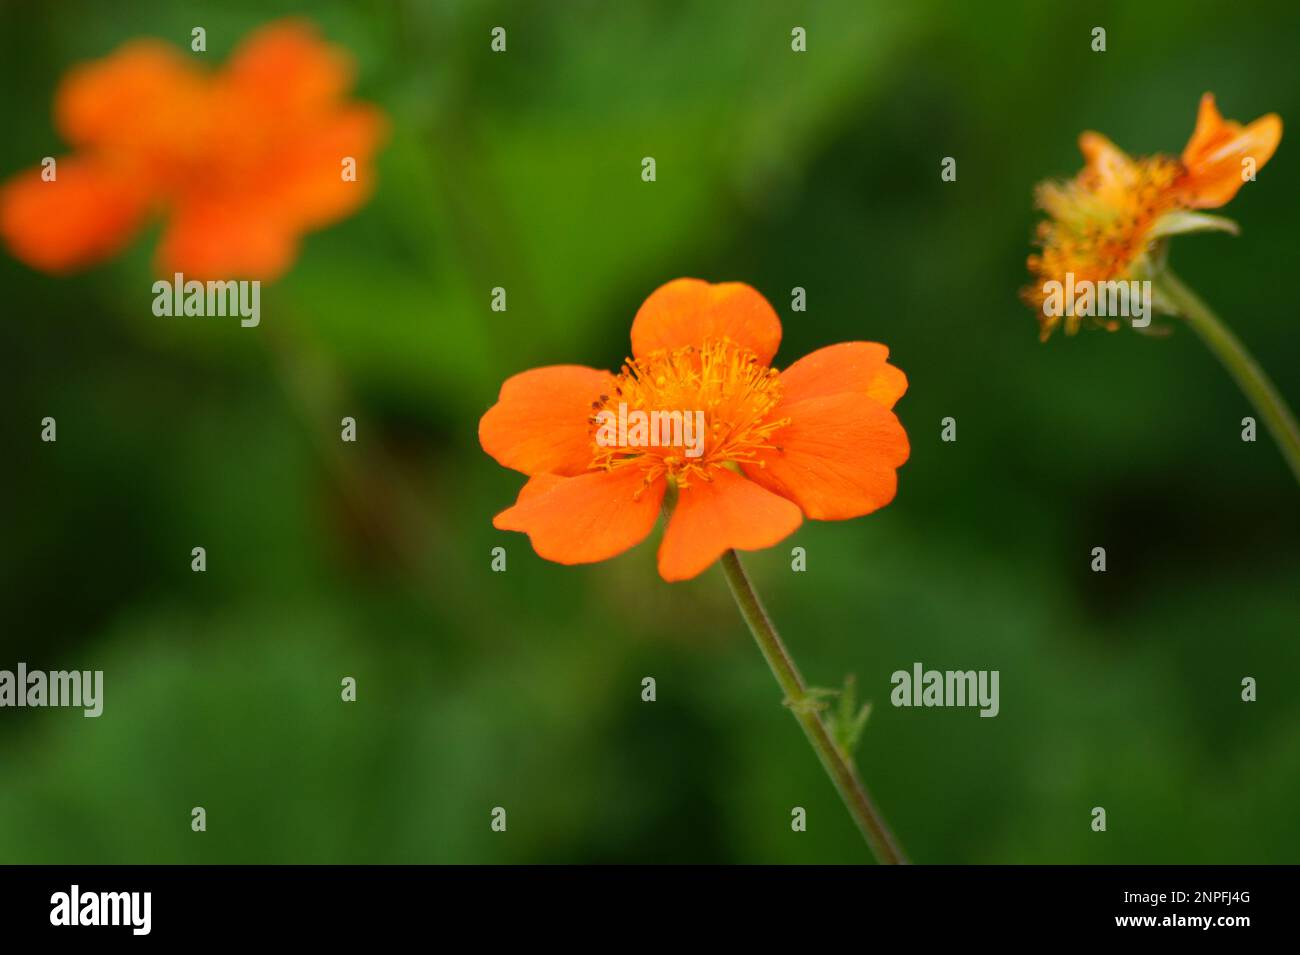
{"x":522,"y":689}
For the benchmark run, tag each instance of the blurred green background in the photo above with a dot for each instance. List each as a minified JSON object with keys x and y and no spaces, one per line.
{"x":478,"y":689}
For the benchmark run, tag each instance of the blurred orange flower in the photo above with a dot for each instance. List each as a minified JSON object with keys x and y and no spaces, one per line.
{"x":817,"y":439}
{"x":240,"y":162}
{"x":1102,"y":224}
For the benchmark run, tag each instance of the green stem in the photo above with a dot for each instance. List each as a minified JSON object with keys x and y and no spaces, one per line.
{"x":1232,"y":353}
{"x":806,"y":710}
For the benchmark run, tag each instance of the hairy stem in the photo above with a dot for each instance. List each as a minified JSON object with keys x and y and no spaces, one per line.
{"x":806,"y":709}
{"x":1232,"y":353}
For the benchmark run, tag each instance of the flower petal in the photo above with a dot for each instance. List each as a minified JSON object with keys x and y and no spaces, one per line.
{"x":226,"y":238}
{"x":308,"y":190}
{"x":287,"y":68}
{"x":689,"y":311}
{"x":1105,"y":160}
{"x":1214,"y":154}
{"x":86,"y":214}
{"x":540,"y":421}
{"x":836,"y":458}
{"x":145,"y":100}
{"x":288,"y":83}
{"x":537,"y":485}
{"x":848,"y":366}
{"x":713,"y":516}
{"x":1210,"y":128}
{"x":580,"y":520}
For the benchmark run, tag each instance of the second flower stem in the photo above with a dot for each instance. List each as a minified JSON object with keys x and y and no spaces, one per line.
{"x":1232,"y":353}
{"x":806,"y":709}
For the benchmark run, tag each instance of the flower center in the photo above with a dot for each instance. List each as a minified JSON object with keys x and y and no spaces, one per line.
{"x":1099,"y":225}
{"x":684,"y":411}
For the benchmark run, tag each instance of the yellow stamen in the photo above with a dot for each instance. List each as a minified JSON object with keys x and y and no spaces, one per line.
{"x":1099,"y":226}
{"x":735,"y":391}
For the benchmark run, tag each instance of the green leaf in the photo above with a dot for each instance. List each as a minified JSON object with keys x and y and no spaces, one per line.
{"x":848,"y":720}
{"x":1184,"y":222}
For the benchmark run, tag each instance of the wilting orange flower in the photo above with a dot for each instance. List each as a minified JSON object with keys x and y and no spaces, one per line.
{"x":817,"y":439}
{"x":241,"y":162}
{"x":1102,"y":224}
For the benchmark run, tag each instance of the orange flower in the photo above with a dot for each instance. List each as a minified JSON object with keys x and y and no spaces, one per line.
{"x":241,"y":162}
{"x":817,"y":439}
{"x":1103,"y":225}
